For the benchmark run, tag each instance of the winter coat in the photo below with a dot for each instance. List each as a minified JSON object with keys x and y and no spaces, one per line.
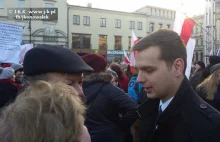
{"x":215,"y":102}
{"x":104,"y":104}
{"x":124,"y":84}
{"x":186,"y":119}
{"x":8,"y":91}
{"x":136,"y":91}
{"x":196,"y":79}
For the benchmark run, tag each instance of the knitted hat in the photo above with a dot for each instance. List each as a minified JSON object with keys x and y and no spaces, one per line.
{"x":96,"y":61}
{"x":214,"y":68}
{"x":51,"y":58}
{"x":17,"y":67}
{"x":7,"y":73}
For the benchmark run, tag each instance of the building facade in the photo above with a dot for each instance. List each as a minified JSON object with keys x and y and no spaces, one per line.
{"x":157,"y":18}
{"x":198,"y":31}
{"x":93,"y":30}
{"x":39,"y":31}
{"x":108,"y":32}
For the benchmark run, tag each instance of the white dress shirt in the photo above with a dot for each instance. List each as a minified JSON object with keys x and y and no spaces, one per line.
{"x":165,"y":104}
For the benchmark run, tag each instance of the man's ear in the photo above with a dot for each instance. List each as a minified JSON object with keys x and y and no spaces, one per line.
{"x":178,"y":67}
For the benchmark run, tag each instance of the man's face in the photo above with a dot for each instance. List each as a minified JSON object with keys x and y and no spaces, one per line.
{"x":74,"y":80}
{"x":157,"y":78}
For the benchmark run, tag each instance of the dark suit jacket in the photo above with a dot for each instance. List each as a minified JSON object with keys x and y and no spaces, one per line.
{"x":187,"y":119}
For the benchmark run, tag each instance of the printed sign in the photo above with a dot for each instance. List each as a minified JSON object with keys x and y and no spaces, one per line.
{"x":10,"y":39}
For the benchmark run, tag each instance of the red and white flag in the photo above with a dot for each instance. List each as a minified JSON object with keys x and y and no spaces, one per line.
{"x":126,"y":59}
{"x":134,"y":40}
{"x":184,"y":27}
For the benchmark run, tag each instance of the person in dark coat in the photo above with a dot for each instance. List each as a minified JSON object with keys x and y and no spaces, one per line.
{"x":197,"y":77}
{"x":213,"y":60}
{"x":104,"y":103}
{"x":8,"y":88}
{"x":173,"y":112}
{"x":209,"y":89}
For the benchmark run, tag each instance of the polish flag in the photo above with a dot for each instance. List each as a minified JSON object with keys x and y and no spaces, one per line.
{"x":134,"y":40}
{"x":126,"y":59}
{"x":184,"y":27}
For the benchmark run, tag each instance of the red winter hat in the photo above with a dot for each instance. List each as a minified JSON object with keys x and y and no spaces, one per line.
{"x":5,"y":65}
{"x":96,"y":61}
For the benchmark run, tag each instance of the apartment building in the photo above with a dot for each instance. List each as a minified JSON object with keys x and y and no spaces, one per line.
{"x":108,"y":32}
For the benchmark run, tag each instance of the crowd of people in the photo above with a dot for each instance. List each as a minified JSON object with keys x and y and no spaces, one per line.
{"x":58,"y":96}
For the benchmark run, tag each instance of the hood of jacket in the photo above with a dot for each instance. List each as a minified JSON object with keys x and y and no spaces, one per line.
{"x":98,"y":77}
{"x":93,"y":83}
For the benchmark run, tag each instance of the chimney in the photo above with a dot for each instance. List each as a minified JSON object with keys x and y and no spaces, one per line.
{"x":89,"y":5}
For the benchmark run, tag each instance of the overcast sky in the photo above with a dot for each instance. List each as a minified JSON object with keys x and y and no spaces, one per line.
{"x":192,"y":7}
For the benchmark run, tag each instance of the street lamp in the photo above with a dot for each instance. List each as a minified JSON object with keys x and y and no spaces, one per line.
{"x":30,"y":25}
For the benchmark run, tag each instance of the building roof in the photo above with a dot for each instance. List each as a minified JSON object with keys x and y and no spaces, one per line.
{"x":106,"y":10}
{"x":148,"y":6}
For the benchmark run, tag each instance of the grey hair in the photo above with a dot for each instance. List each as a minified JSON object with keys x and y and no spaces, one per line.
{"x":29,"y":80}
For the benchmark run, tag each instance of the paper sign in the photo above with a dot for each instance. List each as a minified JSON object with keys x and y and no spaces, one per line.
{"x":10,"y":42}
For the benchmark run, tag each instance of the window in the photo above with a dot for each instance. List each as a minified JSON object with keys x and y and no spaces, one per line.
{"x":117,"y":23}
{"x":151,"y":12}
{"x":49,"y":30}
{"x":102,"y":41}
{"x":81,"y":41}
{"x":76,"y":19}
{"x":159,"y":12}
{"x":102,"y":22}
{"x":196,"y":29}
{"x":168,"y":26}
{"x":49,"y":5}
{"x":49,"y":33}
{"x":201,"y":41}
{"x":151,"y":27}
{"x":132,"y":25}
{"x":86,"y":20}
{"x":160,"y":25}
{"x":139,"y":25}
{"x":21,"y":3}
{"x":118,"y":43}
{"x":197,"y":41}
{"x":1,"y":3}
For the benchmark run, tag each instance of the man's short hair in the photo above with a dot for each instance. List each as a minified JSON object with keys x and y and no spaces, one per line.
{"x":170,"y":44}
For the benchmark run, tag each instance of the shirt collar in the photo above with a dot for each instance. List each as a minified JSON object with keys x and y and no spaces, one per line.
{"x":165,"y":104}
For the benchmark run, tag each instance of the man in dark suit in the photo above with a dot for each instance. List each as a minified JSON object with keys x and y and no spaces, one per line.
{"x":173,"y":111}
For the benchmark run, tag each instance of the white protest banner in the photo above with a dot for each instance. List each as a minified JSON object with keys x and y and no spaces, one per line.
{"x":24,"y":50}
{"x":10,"y":42}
